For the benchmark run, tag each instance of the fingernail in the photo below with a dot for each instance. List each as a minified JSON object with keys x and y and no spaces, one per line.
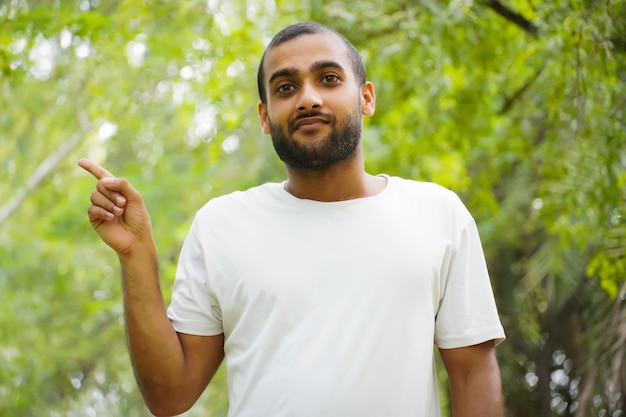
{"x":120,"y":200}
{"x":108,"y":180}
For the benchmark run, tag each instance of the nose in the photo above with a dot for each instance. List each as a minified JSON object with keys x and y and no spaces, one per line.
{"x":309,"y":98}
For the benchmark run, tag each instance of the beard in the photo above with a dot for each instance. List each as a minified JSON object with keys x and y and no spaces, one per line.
{"x":340,"y":144}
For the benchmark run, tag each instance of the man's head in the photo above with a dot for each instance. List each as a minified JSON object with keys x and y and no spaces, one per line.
{"x":308,"y":28}
{"x":313,"y":97}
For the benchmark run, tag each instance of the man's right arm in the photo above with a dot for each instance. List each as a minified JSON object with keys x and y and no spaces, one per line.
{"x":172,"y":369}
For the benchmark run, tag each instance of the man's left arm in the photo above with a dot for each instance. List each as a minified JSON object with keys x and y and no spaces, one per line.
{"x":475,"y":386}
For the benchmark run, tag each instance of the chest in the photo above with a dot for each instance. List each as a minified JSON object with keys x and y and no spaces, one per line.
{"x":296,"y":267}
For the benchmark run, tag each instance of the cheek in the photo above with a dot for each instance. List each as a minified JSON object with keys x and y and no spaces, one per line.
{"x":278,"y":116}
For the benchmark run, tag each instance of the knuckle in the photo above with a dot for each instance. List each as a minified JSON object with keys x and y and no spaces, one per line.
{"x":100,"y":187}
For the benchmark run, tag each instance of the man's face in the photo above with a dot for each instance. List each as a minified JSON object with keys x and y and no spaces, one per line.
{"x":314,"y":105}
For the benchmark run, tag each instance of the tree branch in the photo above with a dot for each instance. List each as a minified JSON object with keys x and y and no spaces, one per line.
{"x":520,"y":91}
{"x":513,"y":17}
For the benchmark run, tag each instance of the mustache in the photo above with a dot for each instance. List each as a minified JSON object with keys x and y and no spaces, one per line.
{"x":293,"y":122}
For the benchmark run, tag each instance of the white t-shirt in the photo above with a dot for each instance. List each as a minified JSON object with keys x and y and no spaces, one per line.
{"x":332,"y":309}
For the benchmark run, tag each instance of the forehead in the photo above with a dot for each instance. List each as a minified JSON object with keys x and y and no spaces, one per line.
{"x":299,"y":53}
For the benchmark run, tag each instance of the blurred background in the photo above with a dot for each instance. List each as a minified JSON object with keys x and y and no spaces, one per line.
{"x":517,"y":105}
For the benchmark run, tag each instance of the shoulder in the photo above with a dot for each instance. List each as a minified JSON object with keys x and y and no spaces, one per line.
{"x":427,"y":200}
{"x":428,"y":193}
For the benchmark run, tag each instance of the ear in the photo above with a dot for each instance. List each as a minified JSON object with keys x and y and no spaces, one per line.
{"x":368,"y":99}
{"x":263,"y":119}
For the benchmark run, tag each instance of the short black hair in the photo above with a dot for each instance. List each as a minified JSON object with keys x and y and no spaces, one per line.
{"x":308,"y":28}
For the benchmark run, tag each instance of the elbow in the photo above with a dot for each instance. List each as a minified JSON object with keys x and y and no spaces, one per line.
{"x":166,"y":410}
{"x":166,"y":404}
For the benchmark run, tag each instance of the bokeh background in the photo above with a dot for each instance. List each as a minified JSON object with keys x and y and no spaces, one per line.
{"x":517,"y":105}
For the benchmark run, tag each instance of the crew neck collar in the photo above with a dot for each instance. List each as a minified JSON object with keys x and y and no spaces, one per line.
{"x":285,"y":195}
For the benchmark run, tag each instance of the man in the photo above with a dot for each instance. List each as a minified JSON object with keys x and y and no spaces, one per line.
{"x":325,"y":292}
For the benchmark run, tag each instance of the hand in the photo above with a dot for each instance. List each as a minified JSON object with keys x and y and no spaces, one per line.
{"x":117,"y":212}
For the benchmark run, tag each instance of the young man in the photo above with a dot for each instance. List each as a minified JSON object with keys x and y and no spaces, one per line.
{"x":326,"y":292}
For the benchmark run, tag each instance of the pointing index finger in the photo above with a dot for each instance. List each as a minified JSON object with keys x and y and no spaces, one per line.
{"x":94,"y":169}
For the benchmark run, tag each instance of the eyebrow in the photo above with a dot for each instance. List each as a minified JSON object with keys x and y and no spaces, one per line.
{"x":316,"y":66}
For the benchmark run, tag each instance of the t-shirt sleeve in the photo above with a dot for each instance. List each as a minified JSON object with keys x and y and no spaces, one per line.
{"x":194,"y":308}
{"x":467,"y":312}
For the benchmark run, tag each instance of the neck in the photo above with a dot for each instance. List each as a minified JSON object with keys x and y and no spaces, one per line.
{"x":346,"y":180}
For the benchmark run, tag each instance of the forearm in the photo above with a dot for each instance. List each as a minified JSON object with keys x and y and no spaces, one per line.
{"x":155,"y":350}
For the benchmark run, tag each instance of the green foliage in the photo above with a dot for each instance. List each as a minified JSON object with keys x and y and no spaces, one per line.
{"x":522,"y":114}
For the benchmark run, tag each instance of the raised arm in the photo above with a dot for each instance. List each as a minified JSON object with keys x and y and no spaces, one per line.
{"x":171,"y":369}
{"x":475,"y":385}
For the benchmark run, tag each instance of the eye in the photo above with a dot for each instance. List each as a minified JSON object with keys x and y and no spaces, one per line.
{"x":330,"y":79}
{"x":285,"y":88}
